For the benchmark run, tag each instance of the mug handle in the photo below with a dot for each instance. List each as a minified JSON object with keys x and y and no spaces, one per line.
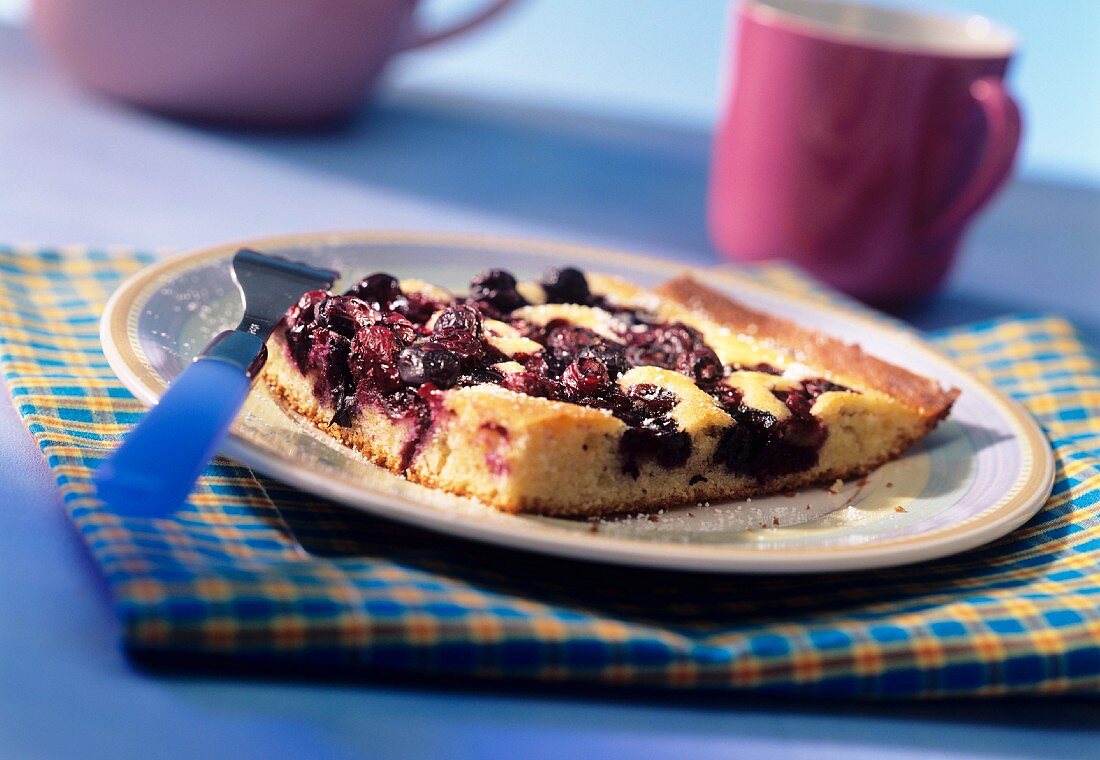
{"x":1003,"y":125}
{"x":423,"y":37}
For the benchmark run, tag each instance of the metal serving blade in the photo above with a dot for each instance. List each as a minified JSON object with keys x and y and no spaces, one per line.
{"x":155,"y":468}
{"x":270,"y":285}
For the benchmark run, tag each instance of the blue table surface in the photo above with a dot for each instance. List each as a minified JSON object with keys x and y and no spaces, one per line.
{"x":77,"y":170}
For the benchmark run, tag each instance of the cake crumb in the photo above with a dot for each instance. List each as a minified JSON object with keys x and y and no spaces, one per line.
{"x":763,"y":525}
{"x":889,"y":485}
{"x":900,"y":508}
{"x":807,"y":506}
{"x":594,"y":527}
{"x":836,"y":486}
{"x":861,"y":482}
{"x":653,"y":518}
{"x":775,"y":521}
{"x":691,"y":514}
{"x":748,"y":500}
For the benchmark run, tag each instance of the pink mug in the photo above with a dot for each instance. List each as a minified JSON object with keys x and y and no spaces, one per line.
{"x":859,"y":141}
{"x":265,"y":62}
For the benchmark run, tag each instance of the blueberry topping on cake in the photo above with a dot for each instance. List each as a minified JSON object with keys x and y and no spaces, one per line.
{"x":566,"y":285}
{"x":580,"y":394}
{"x":495,"y":291}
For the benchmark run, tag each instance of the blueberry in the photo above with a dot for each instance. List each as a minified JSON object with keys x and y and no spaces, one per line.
{"x":346,"y":315}
{"x":428,"y":362}
{"x":459,"y":342}
{"x":728,"y":397}
{"x":669,"y":347}
{"x":612,"y":355}
{"x":563,"y":343}
{"x":569,"y":339}
{"x":420,"y":307}
{"x":402,"y":328}
{"x":649,"y":402}
{"x":744,"y":446}
{"x":566,"y":285}
{"x":530,"y":382}
{"x":378,"y":340}
{"x":682,"y":336}
{"x":497,"y":288}
{"x":586,"y":377}
{"x":305,"y":311}
{"x":372,"y":358}
{"x":382,"y":291}
{"x":461,"y":318}
{"x":701,"y":365}
{"x":797,"y":401}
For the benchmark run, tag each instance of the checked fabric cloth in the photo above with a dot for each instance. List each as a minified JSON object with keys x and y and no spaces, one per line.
{"x":224,"y":580}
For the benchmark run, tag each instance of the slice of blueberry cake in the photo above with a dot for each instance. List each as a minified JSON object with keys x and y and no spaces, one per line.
{"x":584,"y":394}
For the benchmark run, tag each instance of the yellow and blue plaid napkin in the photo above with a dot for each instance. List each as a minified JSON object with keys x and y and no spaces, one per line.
{"x":224,"y":579}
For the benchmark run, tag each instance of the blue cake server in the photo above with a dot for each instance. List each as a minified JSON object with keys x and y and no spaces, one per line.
{"x":155,"y":468}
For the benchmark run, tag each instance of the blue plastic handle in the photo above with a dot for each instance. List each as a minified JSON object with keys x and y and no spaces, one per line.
{"x":154,"y":470}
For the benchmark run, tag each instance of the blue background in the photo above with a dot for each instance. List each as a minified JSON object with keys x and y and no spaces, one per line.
{"x":660,"y":60}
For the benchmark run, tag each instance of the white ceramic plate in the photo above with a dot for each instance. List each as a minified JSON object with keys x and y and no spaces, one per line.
{"x":981,"y":474}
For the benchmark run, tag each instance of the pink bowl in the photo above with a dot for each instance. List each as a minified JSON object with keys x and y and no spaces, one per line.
{"x":252,"y":61}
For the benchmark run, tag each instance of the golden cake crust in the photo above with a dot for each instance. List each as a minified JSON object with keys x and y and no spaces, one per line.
{"x":522,"y":453}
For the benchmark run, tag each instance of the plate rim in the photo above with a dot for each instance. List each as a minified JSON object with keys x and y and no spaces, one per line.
{"x":1020,"y":502}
